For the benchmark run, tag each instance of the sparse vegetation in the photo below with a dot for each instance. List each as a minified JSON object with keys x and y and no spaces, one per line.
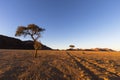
{"x":59,"y":65}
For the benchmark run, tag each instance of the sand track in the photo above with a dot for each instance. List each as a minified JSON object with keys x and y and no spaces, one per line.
{"x":94,"y":69}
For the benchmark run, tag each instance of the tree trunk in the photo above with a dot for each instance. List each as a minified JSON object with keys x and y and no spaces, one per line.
{"x":35,"y":53}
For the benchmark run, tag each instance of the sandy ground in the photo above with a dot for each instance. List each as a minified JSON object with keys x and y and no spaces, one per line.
{"x":59,"y":65}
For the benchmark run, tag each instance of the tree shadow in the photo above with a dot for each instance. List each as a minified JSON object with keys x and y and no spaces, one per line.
{"x":12,"y":74}
{"x":114,"y":78}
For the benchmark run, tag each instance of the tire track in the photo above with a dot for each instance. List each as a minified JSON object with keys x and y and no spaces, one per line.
{"x":83,"y":67}
{"x":98,"y":67}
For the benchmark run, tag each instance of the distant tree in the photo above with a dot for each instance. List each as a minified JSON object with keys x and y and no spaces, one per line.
{"x":71,"y":46}
{"x":34,"y":32}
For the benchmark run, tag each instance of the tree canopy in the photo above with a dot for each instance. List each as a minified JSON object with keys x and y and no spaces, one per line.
{"x":71,"y":46}
{"x":33,"y":30}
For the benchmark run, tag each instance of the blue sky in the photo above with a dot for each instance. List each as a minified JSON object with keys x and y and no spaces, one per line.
{"x":84,"y":23}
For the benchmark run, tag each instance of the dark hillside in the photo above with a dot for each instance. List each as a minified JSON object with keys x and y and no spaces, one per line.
{"x":13,"y":43}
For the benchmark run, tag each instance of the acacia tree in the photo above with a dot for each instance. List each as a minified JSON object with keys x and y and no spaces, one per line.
{"x":71,"y":46}
{"x":34,"y":32}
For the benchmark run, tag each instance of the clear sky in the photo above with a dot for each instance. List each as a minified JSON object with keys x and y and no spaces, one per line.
{"x":84,"y":23}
